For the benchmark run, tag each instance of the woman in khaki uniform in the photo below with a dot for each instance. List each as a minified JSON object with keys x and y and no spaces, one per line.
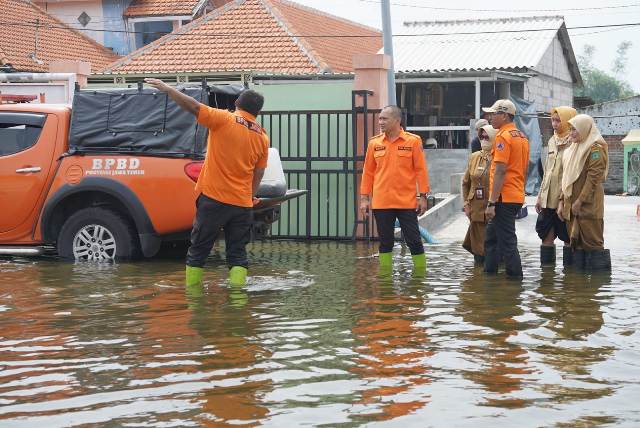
{"x":585,"y":165}
{"x":549,"y":226}
{"x":475,"y":191}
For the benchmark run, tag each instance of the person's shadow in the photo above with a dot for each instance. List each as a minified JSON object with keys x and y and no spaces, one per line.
{"x":224,"y":320}
{"x":493,"y":306}
{"x":572,"y":307}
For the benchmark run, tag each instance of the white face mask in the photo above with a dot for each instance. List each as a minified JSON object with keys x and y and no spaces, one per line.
{"x":486,"y":145}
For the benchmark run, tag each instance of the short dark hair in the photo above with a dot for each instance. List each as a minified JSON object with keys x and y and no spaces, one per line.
{"x":395,"y":111}
{"x":250,"y":101}
{"x":511,"y":117}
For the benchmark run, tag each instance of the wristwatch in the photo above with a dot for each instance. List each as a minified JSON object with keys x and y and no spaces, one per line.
{"x":491,"y":204}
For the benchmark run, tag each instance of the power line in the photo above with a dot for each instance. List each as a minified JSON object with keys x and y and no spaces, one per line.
{"x":453,"y":9}
{"x":327,"y":36}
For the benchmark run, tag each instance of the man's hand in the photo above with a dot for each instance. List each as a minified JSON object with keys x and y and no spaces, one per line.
{"x":467,"y":210}
{"x":560,"y":210}
{"x":538,"y":205}
{"x":158,"y":84}
{"x":364,"y":204}
{"x":422,"y":206}
{"x":183,"y":100}
{"x":490,"y":213}
{"x":575,"y":208}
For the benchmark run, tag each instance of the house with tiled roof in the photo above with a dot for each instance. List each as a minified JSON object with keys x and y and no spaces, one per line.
{"x":446,"y":70}
{"x":30,"y":39}
{"x":126,"y":25}
{"x":254,"y":37}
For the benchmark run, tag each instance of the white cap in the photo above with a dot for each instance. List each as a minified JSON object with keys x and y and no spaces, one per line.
{"x":505,"y":106}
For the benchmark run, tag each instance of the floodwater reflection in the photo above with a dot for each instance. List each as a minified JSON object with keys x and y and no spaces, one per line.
{"x":318,"y":336}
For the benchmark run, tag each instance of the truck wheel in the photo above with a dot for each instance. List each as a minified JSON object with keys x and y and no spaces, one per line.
{"x":97,"y":234}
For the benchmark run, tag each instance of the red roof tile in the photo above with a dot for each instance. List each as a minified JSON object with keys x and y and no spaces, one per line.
{"x":55,"y":40}
{"x":161,"y":8}
{"x":274,"y":36}
{"x":336,"y":51}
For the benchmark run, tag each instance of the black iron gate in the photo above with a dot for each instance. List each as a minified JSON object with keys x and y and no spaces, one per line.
{"x":322,"y":151}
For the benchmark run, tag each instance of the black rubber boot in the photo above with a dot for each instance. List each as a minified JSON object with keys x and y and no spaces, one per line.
{"x":598,"y":261}
{"x":567,"y":256}
{"x":547,"y":255}
{"x":479,"y":260}
{"x":579,"y":259}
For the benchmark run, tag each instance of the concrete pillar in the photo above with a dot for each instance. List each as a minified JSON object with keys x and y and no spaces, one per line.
{"x":81,"y":69}
{"x":370,"y":75}
{"x":504,"y":90}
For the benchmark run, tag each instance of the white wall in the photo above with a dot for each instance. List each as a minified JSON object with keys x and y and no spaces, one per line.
{"x":55,"y":93}
{"x":553,"y":86}
{"x":69,"y":11}
{"x":625,"y":112}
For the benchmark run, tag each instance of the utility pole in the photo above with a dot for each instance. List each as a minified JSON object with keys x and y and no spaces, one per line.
{"x":388,"y":50}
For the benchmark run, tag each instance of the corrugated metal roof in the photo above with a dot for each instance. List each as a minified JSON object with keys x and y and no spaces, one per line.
{"x":474,"y":45}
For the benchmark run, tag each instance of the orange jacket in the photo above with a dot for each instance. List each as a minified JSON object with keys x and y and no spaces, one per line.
{"x":237,"y":145}
{"x":392,"y":169}
{"x":511,"y":147}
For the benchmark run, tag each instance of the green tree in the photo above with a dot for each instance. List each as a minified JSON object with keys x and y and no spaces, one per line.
{"x":598,"y":84}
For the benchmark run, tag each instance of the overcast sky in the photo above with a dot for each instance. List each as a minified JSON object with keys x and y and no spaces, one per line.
{"x":576,"y":13}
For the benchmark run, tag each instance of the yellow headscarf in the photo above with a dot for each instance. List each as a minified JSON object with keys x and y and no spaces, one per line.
{"x":565,"y":113}
{"x":574,"y":158}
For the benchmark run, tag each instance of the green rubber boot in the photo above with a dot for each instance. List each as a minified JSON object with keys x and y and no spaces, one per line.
{"x":193,"y":275}
{"x":386,"y":260}
{"x":238,"y":275}
{"x":419,"y":262}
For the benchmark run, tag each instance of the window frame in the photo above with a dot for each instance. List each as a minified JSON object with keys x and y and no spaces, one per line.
{"x":26,"y":119}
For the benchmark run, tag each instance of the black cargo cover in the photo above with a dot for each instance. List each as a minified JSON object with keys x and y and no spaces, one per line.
{"x":142,"y":122}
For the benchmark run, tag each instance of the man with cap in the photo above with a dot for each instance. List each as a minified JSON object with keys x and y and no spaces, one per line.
{"x":510,"y":160}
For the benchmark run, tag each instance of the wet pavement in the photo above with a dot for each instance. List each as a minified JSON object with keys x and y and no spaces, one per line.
{"x":319,"y":338}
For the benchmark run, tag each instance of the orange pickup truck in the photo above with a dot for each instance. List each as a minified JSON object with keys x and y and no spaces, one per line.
{"x":106,"y":180}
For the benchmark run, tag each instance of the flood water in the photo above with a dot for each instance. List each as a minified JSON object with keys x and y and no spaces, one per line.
{"x":318,"y":338}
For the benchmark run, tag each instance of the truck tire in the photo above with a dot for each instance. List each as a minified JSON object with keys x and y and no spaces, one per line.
{"x":98,"y":234}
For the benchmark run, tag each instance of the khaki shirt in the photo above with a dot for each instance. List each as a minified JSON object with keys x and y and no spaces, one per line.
{"x":476,"y":177}
{"x":589,"y":186}
{"x":552,"y":181}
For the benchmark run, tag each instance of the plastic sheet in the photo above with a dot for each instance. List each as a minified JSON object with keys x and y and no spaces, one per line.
{"x":527,"y":121}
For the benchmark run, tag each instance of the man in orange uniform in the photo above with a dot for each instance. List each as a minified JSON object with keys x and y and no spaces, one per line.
{"x":394,"y":164}
{"x":506,"y":181}
{"x":236,"y":158}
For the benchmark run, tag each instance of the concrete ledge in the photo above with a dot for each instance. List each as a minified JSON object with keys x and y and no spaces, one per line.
{"x":443,"y":212}
{"x":438,"y":216}
{"x":447,"y":209}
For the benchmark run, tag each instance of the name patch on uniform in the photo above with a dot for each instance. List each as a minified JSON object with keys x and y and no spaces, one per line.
{"x":379,"y":148}
{"x":250,"y":125}
{"x":595,"y":155}
{"x":516,"y":133}
{"x":405,"y":148}
{"x":500,"y":145}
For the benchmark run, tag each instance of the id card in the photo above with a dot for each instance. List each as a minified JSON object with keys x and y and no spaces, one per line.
{"x":480,"y":193}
